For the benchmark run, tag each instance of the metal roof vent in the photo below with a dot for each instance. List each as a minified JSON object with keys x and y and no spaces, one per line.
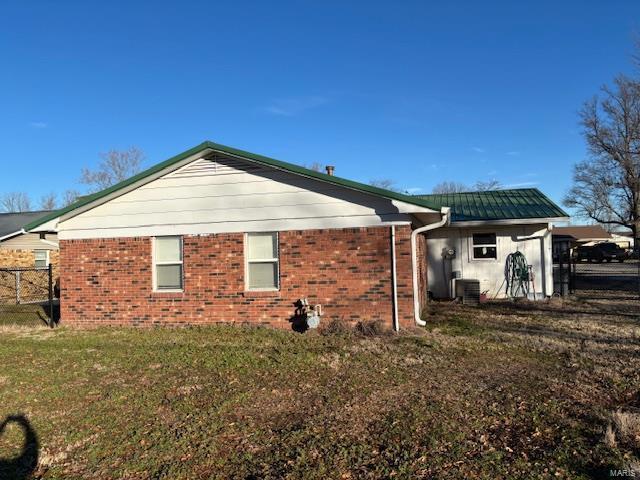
{"x":330,"y":169}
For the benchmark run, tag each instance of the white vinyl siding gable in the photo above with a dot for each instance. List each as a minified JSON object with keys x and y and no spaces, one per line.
{"x":30,"y":241}
{"x":226,"y":195}
{"x":262,"y":261}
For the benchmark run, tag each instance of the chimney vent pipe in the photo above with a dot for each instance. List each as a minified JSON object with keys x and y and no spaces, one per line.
{"x":330,"y":169}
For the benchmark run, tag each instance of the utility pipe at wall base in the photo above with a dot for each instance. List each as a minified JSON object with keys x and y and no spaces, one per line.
{"x":394,"y":279}
{"x":445,"y":211}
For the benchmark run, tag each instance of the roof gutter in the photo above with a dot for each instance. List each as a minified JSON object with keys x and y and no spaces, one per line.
{"x":445,"y":211}
{"x":510,"y":221}
{"x":11,"y":235}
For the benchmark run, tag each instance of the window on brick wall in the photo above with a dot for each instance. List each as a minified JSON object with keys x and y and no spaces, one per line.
{"x":167,"y":263}
{"x":262,"y":263}
{"x":41,"y":258}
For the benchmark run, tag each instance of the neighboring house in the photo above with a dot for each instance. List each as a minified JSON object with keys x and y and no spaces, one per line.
{"x":583,"y":234}
{"x":485,"y":227}
{"x":217,"y":234}
{"x":21,"y":249}
{"x":623,"y":238}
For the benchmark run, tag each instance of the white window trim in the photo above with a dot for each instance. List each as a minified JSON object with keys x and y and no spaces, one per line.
{"x":47,"y":257}
{"x":472,"y":245}
{"x":275,"y":260}
{"x":154,"y":264}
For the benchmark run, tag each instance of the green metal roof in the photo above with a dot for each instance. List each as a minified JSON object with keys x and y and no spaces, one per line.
{"x":515,"y":204}
{"x":290,"y":167}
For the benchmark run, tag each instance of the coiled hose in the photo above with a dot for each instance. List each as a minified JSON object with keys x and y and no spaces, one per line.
{"x":516,"y":275}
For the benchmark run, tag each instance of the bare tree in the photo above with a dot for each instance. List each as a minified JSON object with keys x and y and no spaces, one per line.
{"x":450,"y":187}
{"x":385,"y":183}
{"x":15,"y":202}
{"x":116,"y":165}
{"x":483,"y":186}
{"x":48,"y":201}
{"x":606,"y":187}
{"x":315,"y":166}
{"x":70,"y":196}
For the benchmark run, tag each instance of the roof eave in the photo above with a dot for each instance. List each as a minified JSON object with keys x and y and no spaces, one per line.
{"x":11,"y":235}
{"x":50,"y":226}
{"x":206,"y":148}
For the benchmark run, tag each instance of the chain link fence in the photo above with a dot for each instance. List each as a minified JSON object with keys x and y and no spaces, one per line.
{"x":27,"y":296}
{"x":616,"y":276}
{"x":573,"y":273}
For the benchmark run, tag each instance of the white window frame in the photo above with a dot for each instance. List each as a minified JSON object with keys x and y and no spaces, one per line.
{"x":47,"y":258}
{"x":275,"y":260}
{"x":472,"y":246}
{"x":155,"y":264}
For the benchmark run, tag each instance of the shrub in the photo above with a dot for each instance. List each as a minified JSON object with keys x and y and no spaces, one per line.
{"x":335,"y":326}
{"x":371,"y":328}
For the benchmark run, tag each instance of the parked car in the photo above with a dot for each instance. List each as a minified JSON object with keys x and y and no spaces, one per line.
{"x":601,"y":252}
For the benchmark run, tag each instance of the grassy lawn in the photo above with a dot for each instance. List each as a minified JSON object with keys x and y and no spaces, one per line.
{"x":501,"y":391}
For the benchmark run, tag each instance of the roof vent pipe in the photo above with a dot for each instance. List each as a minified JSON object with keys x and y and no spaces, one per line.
{"x":330,"y":169}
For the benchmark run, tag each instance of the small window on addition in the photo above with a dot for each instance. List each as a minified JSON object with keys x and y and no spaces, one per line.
{"x":41,"y":258}
{"x":261,"y":253}
{"x":485,"y":246}
{"x":167,"y":264}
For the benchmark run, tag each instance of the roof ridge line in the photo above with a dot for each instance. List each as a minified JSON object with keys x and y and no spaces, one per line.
{"x":272,"y":162}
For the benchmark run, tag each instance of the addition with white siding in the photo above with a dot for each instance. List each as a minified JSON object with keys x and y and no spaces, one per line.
{"x":485,"y":228}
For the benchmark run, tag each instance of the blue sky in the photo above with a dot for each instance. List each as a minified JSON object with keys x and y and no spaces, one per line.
{"x":419,"y":92}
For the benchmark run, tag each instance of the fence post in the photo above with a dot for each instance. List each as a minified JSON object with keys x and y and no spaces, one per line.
{"x":572,"y":272}
{"x":17,"y":277}
{"x":563,"y":288}
{"x":50,"y":272}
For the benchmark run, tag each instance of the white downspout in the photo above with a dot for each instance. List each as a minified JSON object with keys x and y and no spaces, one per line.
{"x":544,"y":270}
{"x":414,"y":260}
{"x":394,"y":279}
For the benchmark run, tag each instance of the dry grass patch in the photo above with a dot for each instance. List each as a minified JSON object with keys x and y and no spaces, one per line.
{"x":626,"y":429}
{"x":501,"y":391}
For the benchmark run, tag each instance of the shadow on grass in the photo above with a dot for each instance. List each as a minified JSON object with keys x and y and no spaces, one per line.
{"x":30,"y":314}
{"x":22,"y":466}
{"x":621,"y":307}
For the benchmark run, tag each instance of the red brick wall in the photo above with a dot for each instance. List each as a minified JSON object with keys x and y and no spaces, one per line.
{"x":421,"y":247}
{"x":348,"y":271}
{"x":404,"y":276}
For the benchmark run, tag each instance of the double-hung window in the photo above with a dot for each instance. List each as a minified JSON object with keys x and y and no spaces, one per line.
{"x":485,"y":246}
{"x":41,"y":258}
{"x":167,"y":264}
{"x":261,"y":253}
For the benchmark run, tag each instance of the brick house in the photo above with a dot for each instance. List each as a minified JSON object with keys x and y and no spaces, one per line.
{"x":217,"y":234}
